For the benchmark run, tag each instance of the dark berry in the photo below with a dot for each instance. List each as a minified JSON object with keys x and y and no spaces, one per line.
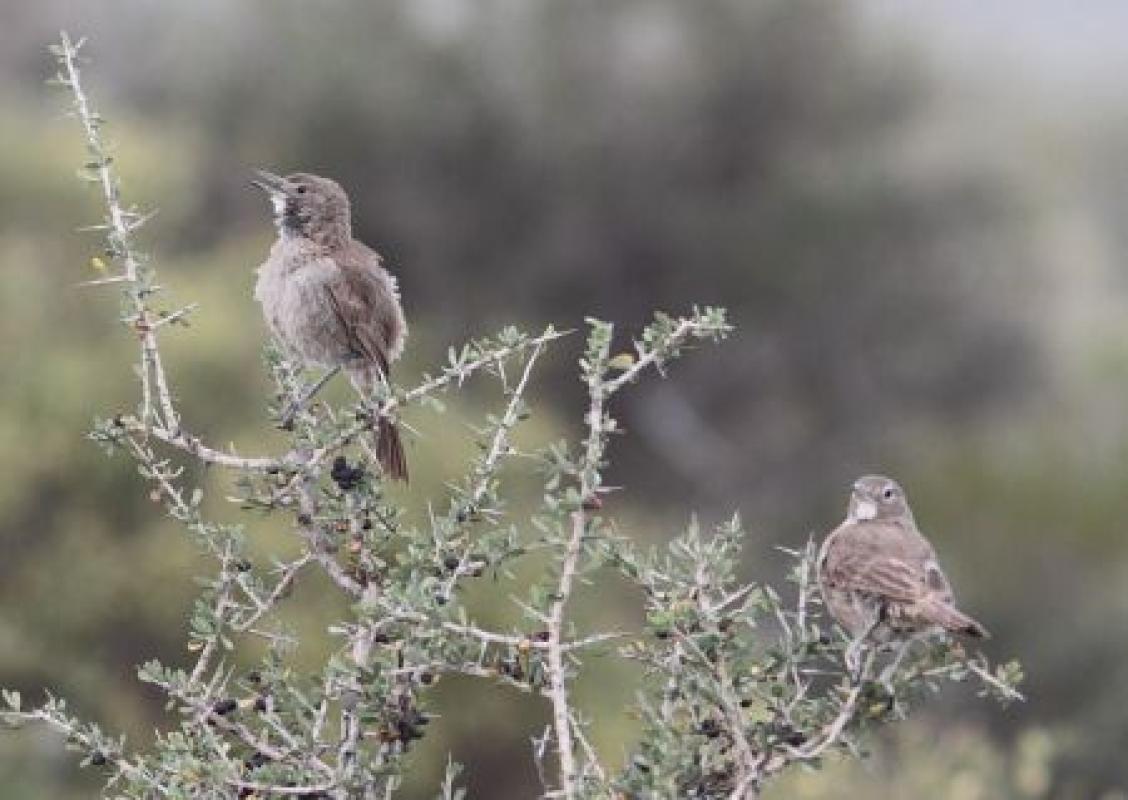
{"x":256,"y":760}
{"x":224,"y":707}
{"x":98,"y":758}
{"x":344,"y":476}
{"x":710,"y":728}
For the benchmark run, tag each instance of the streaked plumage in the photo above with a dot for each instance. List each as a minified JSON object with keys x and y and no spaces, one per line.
{"x":327,"y":297}
{"x":877,"y":572}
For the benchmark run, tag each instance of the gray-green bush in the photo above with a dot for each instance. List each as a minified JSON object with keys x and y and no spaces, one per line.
{"x":742,"y":681}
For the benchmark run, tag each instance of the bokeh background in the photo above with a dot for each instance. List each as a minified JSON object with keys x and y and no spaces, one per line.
{"x":914,"y":211}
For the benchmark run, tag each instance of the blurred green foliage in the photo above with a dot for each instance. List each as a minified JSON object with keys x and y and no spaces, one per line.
{"x":962,"y":764}
{"x":534,"y":162}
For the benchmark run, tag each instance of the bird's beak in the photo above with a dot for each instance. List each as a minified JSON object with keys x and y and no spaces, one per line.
{"x":270,"y":183}
{"x":865,"y":510}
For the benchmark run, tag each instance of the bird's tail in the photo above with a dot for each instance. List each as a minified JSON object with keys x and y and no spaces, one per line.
{"x":389,"y":450}
{"x":954,"y":620}
{"x":389,"y":446}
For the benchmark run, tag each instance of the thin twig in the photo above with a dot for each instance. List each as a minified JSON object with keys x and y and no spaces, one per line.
{"x":76,"y":734}
{"x":487,"y":467}
{"x":500,"y":443}
{"x":119,"y":234}
{"x":557,"y":688}
{"x":266,"y":789}
{"x":682,"y":332}
{"x":1008,"y":692}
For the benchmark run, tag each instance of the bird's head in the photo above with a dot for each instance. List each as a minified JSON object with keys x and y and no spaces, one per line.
{"x":876,"y":497}
{"x":308,"y":206}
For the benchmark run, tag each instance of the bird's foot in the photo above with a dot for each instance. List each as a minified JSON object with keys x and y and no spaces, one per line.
{"x":890,"y":671}
{"x":853,"y":659}
{"x":885,"y":679}
{"x":289,"y":414}
{"x":286,"y":421}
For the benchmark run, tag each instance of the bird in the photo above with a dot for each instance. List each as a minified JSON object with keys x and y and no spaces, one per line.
{"x":879,"y":576}
{"x":328,"y":299}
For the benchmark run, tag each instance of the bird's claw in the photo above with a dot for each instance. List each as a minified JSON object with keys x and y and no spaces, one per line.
{"x":886,"y":679}
{"x":853,"y":660}
{"x":286,"y":420}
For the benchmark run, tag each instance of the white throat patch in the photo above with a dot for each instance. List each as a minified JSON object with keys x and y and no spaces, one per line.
{"x":279,"y":203}
{"x":865,"y":510}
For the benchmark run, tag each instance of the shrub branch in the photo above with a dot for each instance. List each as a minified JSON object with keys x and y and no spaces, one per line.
{"x":738,"y":684}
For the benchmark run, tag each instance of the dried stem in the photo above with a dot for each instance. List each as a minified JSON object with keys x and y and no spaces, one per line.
{"x":119,"y":233}
{"x":76,"y":733}
{"x":557,"y":688}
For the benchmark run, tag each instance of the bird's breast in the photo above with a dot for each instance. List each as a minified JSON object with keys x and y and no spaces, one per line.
{"x":297,"y":306}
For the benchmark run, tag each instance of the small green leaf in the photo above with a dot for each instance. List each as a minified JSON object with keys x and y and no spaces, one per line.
{"x":622,"y":362}
{"x":12,"y":698}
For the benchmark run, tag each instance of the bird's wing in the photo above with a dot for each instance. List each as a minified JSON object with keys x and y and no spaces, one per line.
{"x":890,"y":578}
{"x":881,"y":559}
{"x":363,"y":299}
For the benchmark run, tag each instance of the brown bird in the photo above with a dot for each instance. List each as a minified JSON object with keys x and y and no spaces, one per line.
{"x":328,"y":299}
{"x":879,"y":576}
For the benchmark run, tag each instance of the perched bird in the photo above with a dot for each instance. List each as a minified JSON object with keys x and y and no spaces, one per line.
{"x":880,"y":577}
{"x":328,"y":299}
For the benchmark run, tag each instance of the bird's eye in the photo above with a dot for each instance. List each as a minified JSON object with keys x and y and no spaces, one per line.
{"x":301,"y":189}
{"x":889,"y":493}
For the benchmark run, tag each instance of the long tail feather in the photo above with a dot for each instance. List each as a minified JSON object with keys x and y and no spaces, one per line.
{"x":956,"y":621}
{"x":389,"y":446}
{"x":389,"y":450}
